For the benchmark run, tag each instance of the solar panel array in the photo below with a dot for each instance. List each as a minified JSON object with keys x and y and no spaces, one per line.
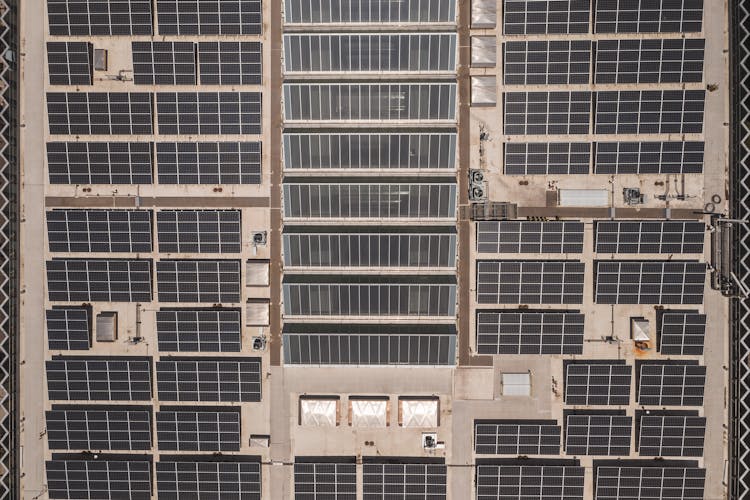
{"x":539,"y":158}
{"x":542,"y":113}
{"x":230,"y":63}
{"x":514,"y":481}
{"x":632,"y":482}
{"x":516,"y":437}
{"x":203,"y":429}
{"x":649,"y":112}
{"x":99,"y":280}
{"x":530,"y":282}
{"x":99,"y":428}
{"x":199,"y":330}
{"x":681,"y":332}
{"x":207,"y":113}
{"x":370,"y":299}
{"x":521,"y":17}
{"x":199,"y":231}
{"x":649,"y":282}
{"x":209,"y":17}
{"x":433,"y":150}
{"x":659,"y":236}
{"x":649,"y":158}
{"x":369,"y":102}
{"x":371,"y":348}
{"x":529,"y":237}
{"x":369,"y":250}
{"x":99,"y":17}
{"x":546,"y":62}
{"x":164,"y":63}
{"x":527,"y":332}
{"x":99,"y":113}
{"x":209,"y":162}
{"x":211,"y":479}
{"x":665,"y":60}
{"x":99,"y":230}
{"x":598,"y":435}
{"x":325,"y":480}
{"x":101,"y":478}
{"x":671,"y":436}
{"x":648,"y":16}
{"x":99,"y":162}
{"x":70,"y":63}
{"x":671,"y":384}
{"x":69,"y":328}
{"x":402,"y":53}
{"x":213,"y":281}
{"x":369,"y":11}
{"x":209,"y":379}
{"x":597,"y":383}
{"x":369,"y":201}
{"x":117,"y":378}
{"x":415,"y":481}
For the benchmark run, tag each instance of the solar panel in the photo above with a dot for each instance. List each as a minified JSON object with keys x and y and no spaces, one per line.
{"x":372,"y":102}
{"x":99,"y":113}
{"x":649,"y":282}
{"x":412,"y":480}
{"x":529,"y":237}
{"x":597,"y":383}
{"x":201,"y":330}
{"x":369,"y":249}
{"x":648,"y":16}
{"x":542,"y":158}
{"x":671,"y":384}
{"x":369,"y":201}
{"x":671,"y":435}
{"x":648,"y":158}
{"x":99,"y":17}
{"x":526,"y":482}
{"x":530,"y":282}
{"x":659,"y":236}
{"x":101,"y":479}
{"x":529,"y":17}
{"x":99,"y":280}
{"x":633,"y":483}
{"x":598,"y":435}
{"x":379,"y":344}
{"x":206,"y":113}
{"x":209,"y":162}
{"x":204,"y":429}
{"x":546,"y":113}
{"x":69,"y":328}
{"x":398,"y":297}
{"x":546,"y":62}
{"x":516,"y":437}
{"x":369,"y":150}
{"x":369,"y":12}
{"x":99,"y":230}
{"x":681,"y":332}
{"x":524,"y":332}
{"x":656,"y":60}
{"x":209,"y":17}
{"x":205,"y":479}
{"x":199,"y":231}
{"x":325,"y":480}
{"x":213,"y":281}
{"x":70,"y":63}
{"x":649,"y":112}
{"x":164,"y":63}
{"x":209,"y":379}
{"x":99,"y":162}
{"x":230,"y":63}
{"x":94,"y":378}
{"x":376,"y":52}
{"x":99,"y":428}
